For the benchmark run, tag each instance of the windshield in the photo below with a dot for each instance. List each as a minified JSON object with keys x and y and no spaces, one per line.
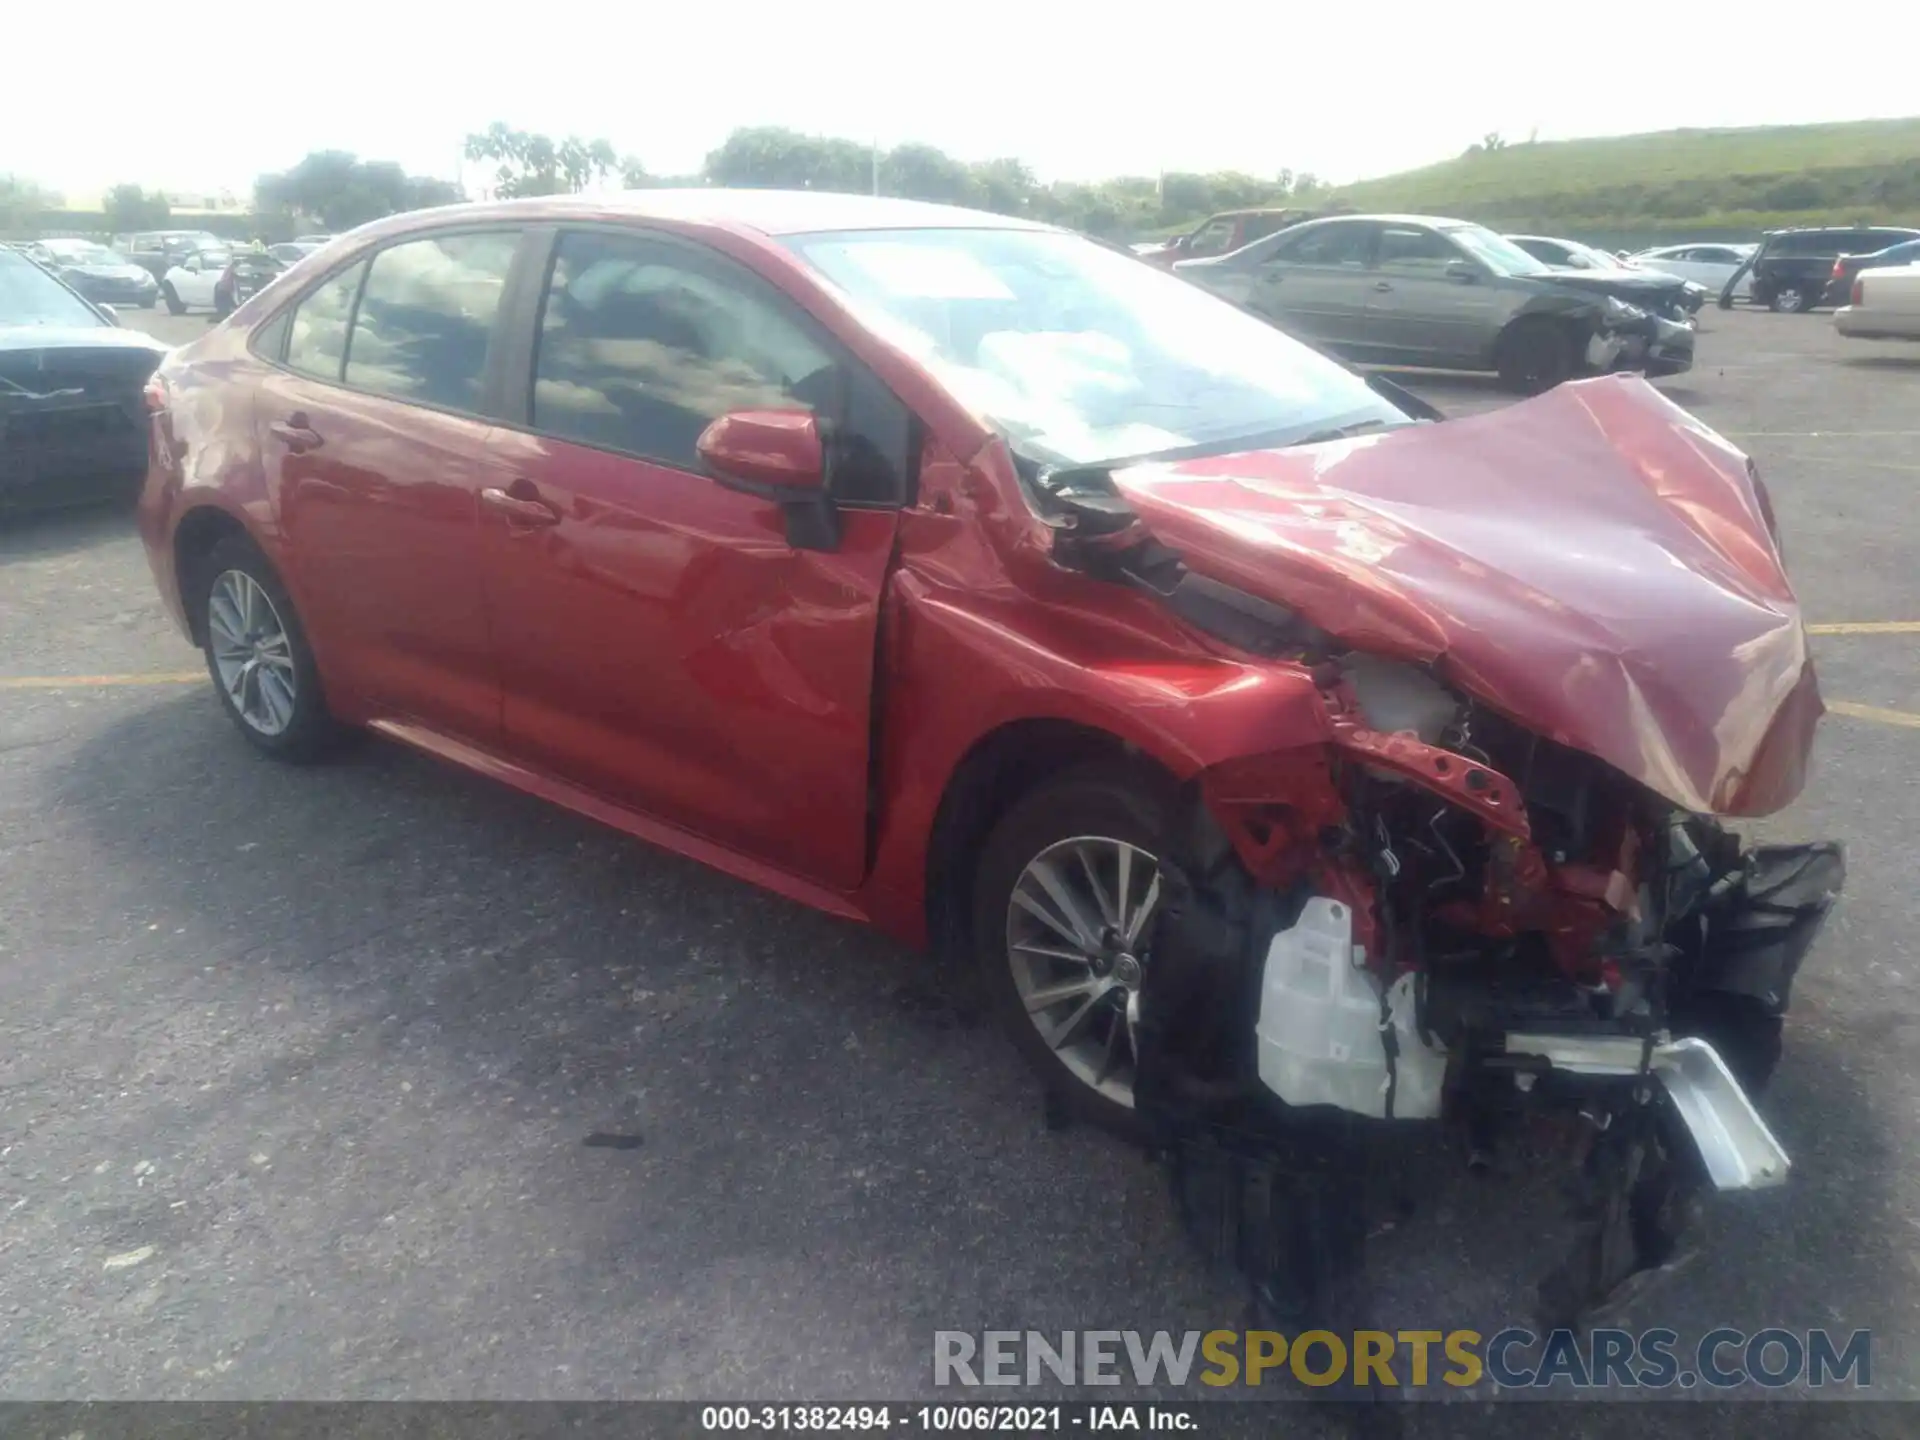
{"x":30,"y":296}
{"x":1499,"y":254}
{"x":1083,"y":356}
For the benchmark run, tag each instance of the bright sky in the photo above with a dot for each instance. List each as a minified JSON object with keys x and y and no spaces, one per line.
{"x":209,"y":97}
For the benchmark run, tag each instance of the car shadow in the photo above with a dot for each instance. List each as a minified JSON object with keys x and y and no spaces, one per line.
{"x":770,"y":1087}
{"x":1883,"y":362}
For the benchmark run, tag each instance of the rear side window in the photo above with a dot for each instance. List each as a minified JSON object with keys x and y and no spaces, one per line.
{"x":1346,"y":244}
{"x":426,"y":317}
{"x":1880,"y":239}
{"x":317,"y":338}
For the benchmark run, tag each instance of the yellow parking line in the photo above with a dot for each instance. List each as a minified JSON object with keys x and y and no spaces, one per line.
{"x":1868,"y":627}
{"x":64,"y":682}
{"x":1874,"y":713}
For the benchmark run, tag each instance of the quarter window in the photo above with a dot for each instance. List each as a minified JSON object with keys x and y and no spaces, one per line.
{"x":317,"y":339}
{"x":426,"y":316}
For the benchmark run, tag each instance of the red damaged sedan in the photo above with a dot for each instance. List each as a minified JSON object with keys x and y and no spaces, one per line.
{"x":1287,"y":758}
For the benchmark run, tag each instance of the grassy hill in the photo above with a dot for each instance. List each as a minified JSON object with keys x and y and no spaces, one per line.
{"x":1673,"y":180}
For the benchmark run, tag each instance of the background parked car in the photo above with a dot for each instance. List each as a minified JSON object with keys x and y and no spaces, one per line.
{"x":103,"y":276}
{"x":158,"y":251}
{"x":1840,"y":282}
{"x":1711,"y":265}
{"x":72,"y":421}
{"x":293,"y":251}
{"x":1421,"y":290}
{"x":192,"y":279}
{"x":1884,"y":305}
{"x":1663,"y":293}
{"x":1793,"y":269}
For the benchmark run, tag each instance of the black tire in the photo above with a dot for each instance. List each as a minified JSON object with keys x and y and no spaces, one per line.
{"x":1534,"y":355}
{"x":1102,"y":799}
{"x":312,"y":732}
{"x":149,"y":304}
{"x":174,"y":307}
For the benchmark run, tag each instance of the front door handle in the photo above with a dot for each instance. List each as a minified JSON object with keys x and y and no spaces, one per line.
{"x":1381,"y":285}
{"x":520,"y":509}
{"x":295,"y":433}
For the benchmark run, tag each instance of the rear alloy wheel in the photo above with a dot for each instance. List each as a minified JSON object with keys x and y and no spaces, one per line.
{"x":1067,"y":893}
{"x":1791,"y":298}
{"x":258,"y":656}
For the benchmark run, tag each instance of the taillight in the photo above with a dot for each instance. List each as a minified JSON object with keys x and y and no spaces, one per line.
{"x":156,"y":396}
{"x":1839,"y":269}
{"x":1859,"y":288}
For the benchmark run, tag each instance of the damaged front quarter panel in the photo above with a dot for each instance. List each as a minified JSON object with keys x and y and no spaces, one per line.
{"x":1525,"y":876}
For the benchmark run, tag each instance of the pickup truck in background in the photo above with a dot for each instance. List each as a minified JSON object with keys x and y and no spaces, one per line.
{"x":1222,"y":234}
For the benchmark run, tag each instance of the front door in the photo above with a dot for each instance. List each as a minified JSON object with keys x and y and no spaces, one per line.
{"x":662,"y":642}
{"x":1430,"y":303}
{"x":375,"y":435}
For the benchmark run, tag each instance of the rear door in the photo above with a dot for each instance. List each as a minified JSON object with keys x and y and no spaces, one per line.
{"x":1315,"y":283}
{"x":662,"y":640}
{"x":375,"y":430}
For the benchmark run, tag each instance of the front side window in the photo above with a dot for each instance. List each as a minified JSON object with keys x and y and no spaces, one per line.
{"x":643,"y":345}
{"x":1414,"y":250}
{"x":317,"y":337}
{"x":426,"y":317}
{"x":1081,"y":356}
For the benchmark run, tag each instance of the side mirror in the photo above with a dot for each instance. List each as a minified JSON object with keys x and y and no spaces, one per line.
{"x":1463,"y":272}
{"x":777,"y":454}
{"x":766,"y":449}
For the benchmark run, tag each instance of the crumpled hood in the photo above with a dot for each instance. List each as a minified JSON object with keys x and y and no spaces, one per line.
{"x":1595,"y":563}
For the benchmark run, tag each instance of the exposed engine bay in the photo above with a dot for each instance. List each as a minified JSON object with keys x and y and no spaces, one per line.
{"x":1443,"y":915}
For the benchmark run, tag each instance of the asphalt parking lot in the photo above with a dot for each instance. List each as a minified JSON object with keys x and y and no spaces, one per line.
{"x":380,"y":1081}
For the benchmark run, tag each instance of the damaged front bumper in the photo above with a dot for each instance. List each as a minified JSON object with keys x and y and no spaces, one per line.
{"x":1637,"y":1032}
{"x":1735,"y":1146}
{"x":1655,"y":345}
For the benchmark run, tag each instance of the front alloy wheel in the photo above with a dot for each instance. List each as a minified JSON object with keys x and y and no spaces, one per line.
{"x":252,"y":656}
{"x":1064,"y":908}
{"x":1078,"y":932}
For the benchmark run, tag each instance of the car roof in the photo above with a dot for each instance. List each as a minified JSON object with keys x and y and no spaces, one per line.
{"x":767,"y":212}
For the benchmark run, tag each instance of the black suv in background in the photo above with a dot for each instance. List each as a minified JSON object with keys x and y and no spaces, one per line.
{"x":1793,"y":269}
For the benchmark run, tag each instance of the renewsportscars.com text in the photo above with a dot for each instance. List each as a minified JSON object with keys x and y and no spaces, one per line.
{"x":1514,"y":1358}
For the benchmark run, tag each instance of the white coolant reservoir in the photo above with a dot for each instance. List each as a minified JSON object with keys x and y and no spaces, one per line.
{"x":1319,"y":1026}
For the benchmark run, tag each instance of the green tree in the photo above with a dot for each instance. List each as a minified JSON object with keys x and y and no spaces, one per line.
{"x":339,"y":190}
{"x":526,"y":163}
{"x":129,"y":208}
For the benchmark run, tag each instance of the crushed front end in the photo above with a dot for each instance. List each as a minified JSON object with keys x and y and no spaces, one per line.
{"x":1457,"y":920}
{"x":1551,"y":644}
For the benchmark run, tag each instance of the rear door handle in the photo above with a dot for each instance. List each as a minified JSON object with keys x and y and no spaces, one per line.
{"x":296,"y":434}
{"x":520,"y":509}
